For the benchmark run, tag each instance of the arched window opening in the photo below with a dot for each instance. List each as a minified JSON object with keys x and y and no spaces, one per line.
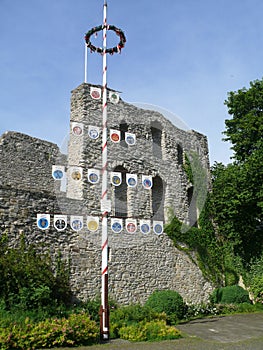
{"x":192,"y":212}
{"x":120,"y":194}
{"x":156,"y":131}
{"x":123,"y":130}
{"x":158,"y":198}
{"x":180,"y":154}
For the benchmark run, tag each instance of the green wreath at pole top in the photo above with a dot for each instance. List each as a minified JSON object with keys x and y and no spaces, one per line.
{"x":112,"y":50}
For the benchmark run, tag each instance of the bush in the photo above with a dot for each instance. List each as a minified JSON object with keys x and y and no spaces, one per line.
{"x":31,"y":281}
{"x":92,"y":307}
{"x":201,"y":310}
{"x":254,"y":279}
{"x":132,"y":315}
{"x":75,"y":330}
{"x":149,"y":331}
{"x":170,"y":302}
{"x":230,"y":295}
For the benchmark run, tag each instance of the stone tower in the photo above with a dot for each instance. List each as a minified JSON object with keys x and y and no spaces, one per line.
{"x":158,"y":152}
{"x":138,"y":263}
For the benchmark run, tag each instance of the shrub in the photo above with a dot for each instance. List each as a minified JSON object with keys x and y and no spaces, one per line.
{"x":168,"y":301}
{"x":230,"y":295}
{"x":28,"y":279}
{"x":130,"y":315}
{"x":92,"y":307}
{"x":75,"y":330}
{"x":254,"y":279}
{"x":149,"y":331}
{"x":201,"y":310}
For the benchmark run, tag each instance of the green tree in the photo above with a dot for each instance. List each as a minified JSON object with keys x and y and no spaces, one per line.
{"x":245,"y":129}
{"x":238,"y":187}
{"x":234,"y":211}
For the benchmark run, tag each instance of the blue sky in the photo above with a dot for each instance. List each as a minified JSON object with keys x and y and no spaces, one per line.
{"x":184,"y":56}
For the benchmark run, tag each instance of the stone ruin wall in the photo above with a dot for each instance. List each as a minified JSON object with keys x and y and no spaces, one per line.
{"x":138,"y":264}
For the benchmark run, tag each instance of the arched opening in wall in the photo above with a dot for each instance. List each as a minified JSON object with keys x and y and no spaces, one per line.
{"x":180,"y":155}
{"x":158,"y":198}
{"x":156,"y":131}
{"x":192,"y":212}
{"x":123,"y":130}
{"x":120,"y":195}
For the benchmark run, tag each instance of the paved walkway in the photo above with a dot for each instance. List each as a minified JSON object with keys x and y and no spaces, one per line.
{"x":226,"y":329}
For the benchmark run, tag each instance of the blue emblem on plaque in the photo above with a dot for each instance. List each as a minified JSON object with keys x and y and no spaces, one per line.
{"x":147,"y":183}
{"x":43,"y":223}
{"x":145,"y":228}
{"x":93,"y":178}
{"x":132,"y":182}
{"x":93,"y":134}
{"x":130,"y":140}
{"x":158,"y":229}
{"x":116,"y":180}
{"x":116,"y":227}
{"x":76,"y":225}
{"x":58,"y":174}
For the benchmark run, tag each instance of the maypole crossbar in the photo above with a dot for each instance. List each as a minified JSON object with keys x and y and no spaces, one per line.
{"x":105,"y":204}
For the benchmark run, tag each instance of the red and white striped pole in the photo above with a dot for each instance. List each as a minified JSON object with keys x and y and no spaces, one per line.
{"x":104,"y":323}
{"x":105,"y":203}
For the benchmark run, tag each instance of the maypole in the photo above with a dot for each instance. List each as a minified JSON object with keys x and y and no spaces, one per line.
{"x":105,"y":203}
{"x":86,"y":64}
{"x":104,"y":243}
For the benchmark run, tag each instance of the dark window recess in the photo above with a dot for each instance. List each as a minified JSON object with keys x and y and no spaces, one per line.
{"x":123,"y":130}
{"x":192,"y":213}
{"x":120,"y":195}
{"x":180,"y":155}
{"x":158,"y":198}
{"x":157,"y":142}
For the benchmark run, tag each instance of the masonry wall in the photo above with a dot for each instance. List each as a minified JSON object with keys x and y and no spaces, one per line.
{"x":139,"y":264}
{"x":141,"y":158}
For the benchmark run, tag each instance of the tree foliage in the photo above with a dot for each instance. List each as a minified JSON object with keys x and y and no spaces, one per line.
{"x":245,"y":129}
{"x":235,"y":210}
{"x":238,"y":187}
{"x":237,"y":196}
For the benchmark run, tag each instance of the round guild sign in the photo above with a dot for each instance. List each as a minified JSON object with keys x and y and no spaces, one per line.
{"x":131,"y":227}
{"x":60,"y":224}
{"x":77,"y":130}
{"x":58,"y":174}
{"x":145,"y":228}
{"x":116,"y":227}
{"x":158,"y":229}
{"x":43,"y":223}
{"x":76,"y":225}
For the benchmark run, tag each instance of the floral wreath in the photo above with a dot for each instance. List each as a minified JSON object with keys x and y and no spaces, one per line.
{"x":112,"y":50}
